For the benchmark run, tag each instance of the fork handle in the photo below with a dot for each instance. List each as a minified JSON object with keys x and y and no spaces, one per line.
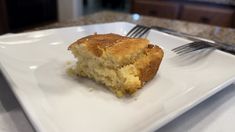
{"x":224,"y":47}
{"x":176,"y":33}
{"x":229,"y":48}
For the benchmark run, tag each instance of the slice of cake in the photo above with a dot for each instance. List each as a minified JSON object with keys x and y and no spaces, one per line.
{"x":121,"y":63}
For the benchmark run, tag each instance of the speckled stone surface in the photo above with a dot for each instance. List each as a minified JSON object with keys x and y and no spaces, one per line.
{"x":222,"y":34}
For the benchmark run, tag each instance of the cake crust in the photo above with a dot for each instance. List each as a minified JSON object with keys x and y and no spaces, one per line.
{"x":123,"y":64}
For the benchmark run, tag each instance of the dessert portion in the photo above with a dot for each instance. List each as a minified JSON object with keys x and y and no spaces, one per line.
{"x":121,"y":63}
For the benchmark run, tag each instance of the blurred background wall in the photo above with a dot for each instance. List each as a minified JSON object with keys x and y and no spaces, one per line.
{"x":19,"y":15}
{"x":69,"y":9}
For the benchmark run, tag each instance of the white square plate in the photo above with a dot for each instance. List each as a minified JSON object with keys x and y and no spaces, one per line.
{"x":34,"y":64}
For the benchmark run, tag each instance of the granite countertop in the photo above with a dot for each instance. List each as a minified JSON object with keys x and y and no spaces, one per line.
{"x":222,"y":34}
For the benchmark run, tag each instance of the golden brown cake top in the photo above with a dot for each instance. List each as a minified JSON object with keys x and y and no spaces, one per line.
{"x":114,"y":44}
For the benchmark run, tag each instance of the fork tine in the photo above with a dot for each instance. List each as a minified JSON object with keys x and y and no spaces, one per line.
{"x":192,"y":49}
{"x":144,"y":31}
{"x":133,"y":30}
{"x":181,"y":50}
{"x":139,"y":32}
{"x":185,"y":46}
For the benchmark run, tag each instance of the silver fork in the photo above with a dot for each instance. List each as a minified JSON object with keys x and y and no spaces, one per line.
{"x":191,"y":47}
{"x":199,"y":45}
{"x":138,"y":31}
